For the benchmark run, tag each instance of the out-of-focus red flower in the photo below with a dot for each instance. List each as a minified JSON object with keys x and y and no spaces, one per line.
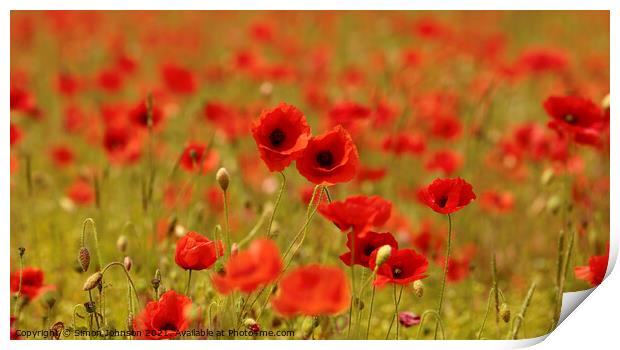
{"x":404,"y":143}
{"x":68,"y":85}
{"x":594,"y":272}
{"x":329,"y":158}
{"x":497,"y":202}
{"x":22,"y":100}
{"x":197,"y":252}
{"x":74,"y":119}
{"x":32,"y":282}
{"x":446,"y":196}
{"x":540,"y":60}
{"x":364,"y":245}
{"x":213,"y":196}
{"x":178,"y":79}
{"x":312,"y":290}
{"x":428,"y":239}
{"x":110,"y":80}
{"x":446,"y":161}
{"x":247,"y":270}
{"x":164,"y":318}
{"x":403,"y":267}
{"x":138,"y":115}
{"x":16,"y":134}
{"x":62,"y":155}
{"x":577,"y":117}
{"x":458,"y":268}
{"x":430,"y":28}
{"x":358,"y":213}
{"x":281,"y":135}
{"x":446,"y":127}
{"x":370,"y":174}
{"x":14,"y":335}
{"x":177,"y":196}
{"x":81,"y":192}
{"x":408,"y":319}
{"x":346,"y":113}
{"x":122,"y":144}
{"x":197,"y":158}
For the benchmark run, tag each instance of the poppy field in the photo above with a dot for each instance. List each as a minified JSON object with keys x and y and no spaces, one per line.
{"x":305,"y":175}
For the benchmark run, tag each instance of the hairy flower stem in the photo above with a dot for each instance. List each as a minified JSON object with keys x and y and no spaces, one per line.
{"x":372,"y":302}
{"x":521,"y":316}
{"x":423,"y":318}
{"x":445,"y":274}
{"x":277,"y":203}
{"x":352,"y":287}
{"x":189,"y":281}
{"x":395,"y":316}
{"x":129,"y":280}
{"x":495,"y":292}
{"x":226,"y":227}
{"x":19,"y":289}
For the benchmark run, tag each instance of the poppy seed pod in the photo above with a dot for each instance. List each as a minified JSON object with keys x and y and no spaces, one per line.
{"x":84,"y":258}
{"x":21,"y":250}
{"x":383,"y":254}
{"x":223,"y":178}
{"x":418,"y":288}
{"x":93,"y":281}
{"x":504,"y":312}
{"x":121,"y":243}
{"x":127,"y":262}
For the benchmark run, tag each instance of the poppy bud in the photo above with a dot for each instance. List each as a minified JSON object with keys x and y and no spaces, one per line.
{"x":50,"y":299}
{"x":121,"y":243}
{"x":606,"y":102}
{"x":553,"y":204}
{"x":266,"y":89}
{"x":84,"y":258}
{"x":223,"y":178}
{"x":93,"y":281}
{"x":383,"y":254}
{"x":357,"y":302}
{"x":155,"y":283}
{"x":21,"y":250}
{"x":418,"y":288}
{"x":127,"y":262}
{"x":408,"y":319}
{"x":504,"y":312}
{"x":546,"y":177}
{"x":252,"y":325}
{"x":89,"y":306}
{"x":130,"y":322}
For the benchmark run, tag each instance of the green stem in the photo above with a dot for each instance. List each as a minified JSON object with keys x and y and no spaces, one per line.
{"x":486,"y":314}
{"x":275,"y":206}
{"x":521,"y":316}
{"x":445,"y":273}
{"x":372,"y":301}
{"x":395,"y":316}
{"x":226,"y":226}
{"x":189,"y":281}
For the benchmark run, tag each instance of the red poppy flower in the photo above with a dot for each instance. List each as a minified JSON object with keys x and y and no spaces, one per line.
{"x":403,"y":267}
{"x":446,"y":196}
{"x":196,"y":252}
{"x":16,"y":134}
{"x":110,"y":80}
{"x":81,"y":192}
{"x":595,"y":271}
{"x":329,"y":158}
{"x":14,"y":335}
{"x":122,"y":145}
{"x":195,"y":154}
{"x":370,"y":174}
{"x":164,"y":318}
{"x":446,"y":127}
{"x":364,"y":245}
{"x":458,"y":268}
{"x":178,"y":79}
{"x":250,"y":269}
{"x":32,"y":282}
{"x":446,"y":161}
{"x":312,"y":290}
{"x":281,"y":134}
{"x":576,"y":116}
{"x":357,"y":213}
{"x":22,"y":100}
{"x":404,"y":143}
{"x":540,"y":60}
{"x":497,"y":202}
{"x":62,"y":155}
{"x":138,"y":115}
{"x":346,"y":113}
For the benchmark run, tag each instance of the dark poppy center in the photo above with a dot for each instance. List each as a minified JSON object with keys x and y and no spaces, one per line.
{"x":442,"y":201}
{"x":368,"y":250}
{"x":277,"y":137}
{"x":168,"y":326}
{"x":325,"y":159}
{"x":570,"y":119}
{"x":397,"y":272}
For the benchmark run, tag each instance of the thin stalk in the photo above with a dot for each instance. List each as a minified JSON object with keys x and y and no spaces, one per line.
{"x":226,"y":226}
{"x":372,"y":301}
{"x":521,"y":316}
{"x":189,"y":281}
{"x":275,"y":206}
{"x":445,"y":273}
{"x":439,"y":322}
{"x":495,"y":291}
{"x":486,"y":314}
{"x":395,"y":316}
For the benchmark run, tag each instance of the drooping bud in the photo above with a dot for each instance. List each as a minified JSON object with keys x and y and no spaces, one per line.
{"x":121,"y":243}
{"x":21,"y":251}
{"x":84,"y":258}
{"x":127,"y":262}
{"x":504,"y":312}
{"x":383,"y":254}
{"x":89,"y":306}
{"x":223,"y":178}
{"x":418,"y":288}
{"x":93,"y":281}
{"x":251,"y":325}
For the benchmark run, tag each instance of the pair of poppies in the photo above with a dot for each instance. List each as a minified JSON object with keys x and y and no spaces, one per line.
{"x":283,"y":135}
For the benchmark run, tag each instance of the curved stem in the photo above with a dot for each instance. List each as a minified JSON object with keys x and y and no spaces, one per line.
{"x":486,"y":314}
{"x":275,"y":206}
{"x":95,"y":239}
{"x":439,"y":322}
{"x":445,"y":272}
{"x":395,"y":316}
{"x":116,"y":263}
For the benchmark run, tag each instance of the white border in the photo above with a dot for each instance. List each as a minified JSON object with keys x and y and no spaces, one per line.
{"x":594,"y":323}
